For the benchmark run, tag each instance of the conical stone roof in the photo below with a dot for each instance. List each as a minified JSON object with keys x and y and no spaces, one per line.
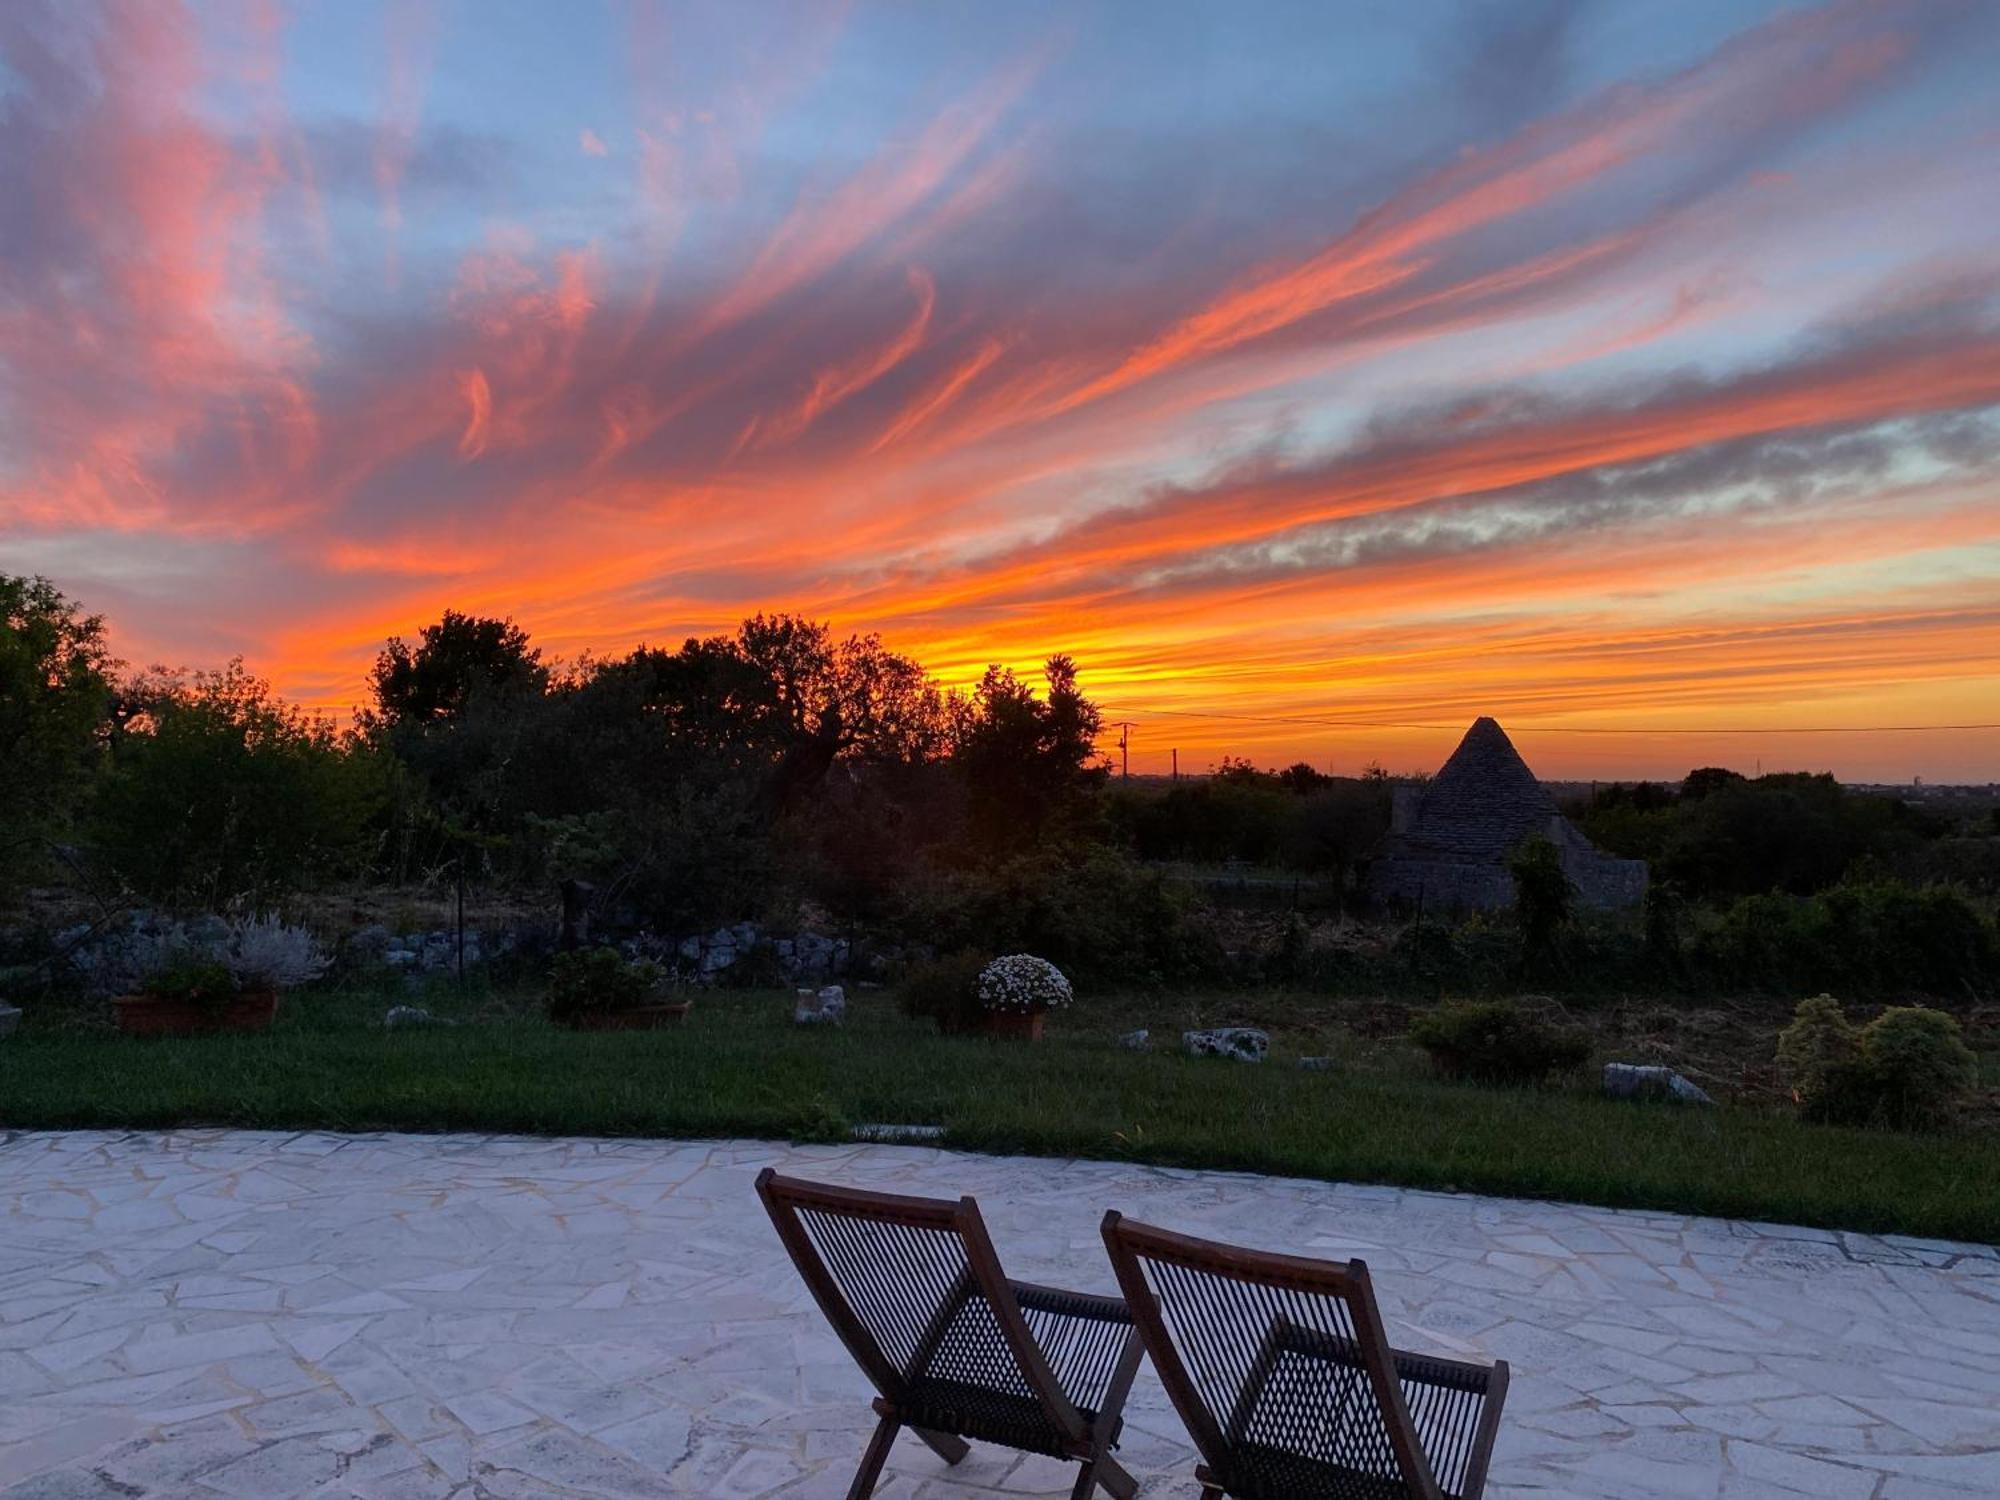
{"x":1482,"y":803}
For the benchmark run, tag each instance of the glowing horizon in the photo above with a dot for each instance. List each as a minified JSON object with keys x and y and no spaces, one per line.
{"x":1581,"y":364}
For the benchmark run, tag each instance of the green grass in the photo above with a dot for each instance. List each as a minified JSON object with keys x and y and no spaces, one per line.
{"x":738,"y":1068}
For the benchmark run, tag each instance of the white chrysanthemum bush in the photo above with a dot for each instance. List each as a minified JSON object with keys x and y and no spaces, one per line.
{"x":1022,"y":983}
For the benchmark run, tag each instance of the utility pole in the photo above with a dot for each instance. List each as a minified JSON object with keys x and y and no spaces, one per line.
{"x":1125,"y":749}
{"x":1177,"y":763}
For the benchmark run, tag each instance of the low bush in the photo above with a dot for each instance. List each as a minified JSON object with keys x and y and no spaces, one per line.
{"x":1819,"y":1043}
{"x":591,"y":980}
{"x":1497,"y":1041}
{"x":945,"y":990}
{"x":193,"y":983}
{"x":1915,"y":1068}
{"x":1909,"y":1067}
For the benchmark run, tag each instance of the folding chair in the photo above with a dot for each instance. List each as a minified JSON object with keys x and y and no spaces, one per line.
{"x":1280,"y":1369}
{"x":915,"y":1291}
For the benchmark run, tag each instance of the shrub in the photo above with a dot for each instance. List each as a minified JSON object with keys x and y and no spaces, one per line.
{"x":1022,"y":982}
{"x":590,"y":980}
{"x":1103,"y":918}
{"x":1878,"y":936}
{"x":1819,"y":1043}
{"x":758,"y":969}
{"x":193,"y":983}
{"x":217,"y":788}
{"x":1543,"y":900}
{"x":1662,"y":925}
{"x":946,"y":990}
{"x":1769,"y":942}
{"x":1908,"y":1067}
{"x":1900,"y":937}
{"x":1497,"y":1041}
{"x":1914,"y":1066}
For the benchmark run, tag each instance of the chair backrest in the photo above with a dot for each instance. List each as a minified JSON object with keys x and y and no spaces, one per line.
{"x":894,"y":1273}
{"x":1269,"y":1357}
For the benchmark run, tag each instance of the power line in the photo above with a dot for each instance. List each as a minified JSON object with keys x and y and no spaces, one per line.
{"x":1530,"y":727}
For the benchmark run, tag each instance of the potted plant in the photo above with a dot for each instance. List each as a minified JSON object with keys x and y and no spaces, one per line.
{"x":224,"y":978}
{"x":593,"y":989}
{"x":1016,"y":991}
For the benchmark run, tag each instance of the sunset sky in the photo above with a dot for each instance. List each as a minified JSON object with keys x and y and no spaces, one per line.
{"x":1319,"y":375}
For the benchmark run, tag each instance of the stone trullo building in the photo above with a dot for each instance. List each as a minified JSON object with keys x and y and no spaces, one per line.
{"x":1450,"y":839}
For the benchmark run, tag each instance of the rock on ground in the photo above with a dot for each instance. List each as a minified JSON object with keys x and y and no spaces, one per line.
{"x":1636,"y":1081}
{"x":1237,"y":1043}
{"x":826,"y":1006}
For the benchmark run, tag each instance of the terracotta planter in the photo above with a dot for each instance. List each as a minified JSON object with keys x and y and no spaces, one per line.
{"x":151,"y":1015}
{"x":1020,"y":1026}
{"x":637,"y":1018}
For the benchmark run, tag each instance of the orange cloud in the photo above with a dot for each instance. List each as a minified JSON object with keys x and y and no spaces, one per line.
{"x":1434,"y":463}
{"x":479,"y":413}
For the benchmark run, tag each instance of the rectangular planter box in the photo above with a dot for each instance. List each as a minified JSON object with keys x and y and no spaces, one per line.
{"x":149,"y":1015}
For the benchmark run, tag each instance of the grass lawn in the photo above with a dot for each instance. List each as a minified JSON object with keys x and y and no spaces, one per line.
{"x":739,"y":1068}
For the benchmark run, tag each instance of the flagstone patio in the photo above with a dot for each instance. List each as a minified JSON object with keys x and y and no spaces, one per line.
{"x":233,"y":1313}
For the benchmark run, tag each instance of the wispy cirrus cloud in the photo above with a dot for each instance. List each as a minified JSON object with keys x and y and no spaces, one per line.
{"x":913,"y":327}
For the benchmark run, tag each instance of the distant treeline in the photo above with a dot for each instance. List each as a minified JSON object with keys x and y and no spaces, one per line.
{"x":734,"y":774}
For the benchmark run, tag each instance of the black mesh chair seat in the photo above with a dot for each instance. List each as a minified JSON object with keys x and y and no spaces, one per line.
{"x":1312,"y":1397}
{"x":977,"y":1411}
{"x":1259,"y":1472}
{"x":971,"y":1385}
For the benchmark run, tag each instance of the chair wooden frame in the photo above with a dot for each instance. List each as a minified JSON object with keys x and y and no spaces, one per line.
{"x":1459,"y":1401}
{"x":1036,"y":1411}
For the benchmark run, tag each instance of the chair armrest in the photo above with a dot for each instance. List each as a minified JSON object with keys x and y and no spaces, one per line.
{"x":1064,"y":1304}
{"x":1433,"y":1369}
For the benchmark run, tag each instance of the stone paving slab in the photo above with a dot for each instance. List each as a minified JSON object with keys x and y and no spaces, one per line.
{"x":262,"y":1316}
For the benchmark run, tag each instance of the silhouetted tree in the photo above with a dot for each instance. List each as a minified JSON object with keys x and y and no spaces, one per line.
{"x":455,"y":660}
{"x":1025,"y":759}
{"x":218,"y":790}
{"x":1709,"y":780}
{"x":55,"y":697}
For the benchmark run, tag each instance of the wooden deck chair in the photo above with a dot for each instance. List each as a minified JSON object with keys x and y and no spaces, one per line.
{"x":915,"y":1291}
{"x":1280,"y":1369}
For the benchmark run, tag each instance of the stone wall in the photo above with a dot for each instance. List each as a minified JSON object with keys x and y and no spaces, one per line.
{"x":101,"y":963}
{"x":1602,"y":882}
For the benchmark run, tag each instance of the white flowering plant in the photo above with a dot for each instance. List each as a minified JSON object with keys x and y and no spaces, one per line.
{"x":1021,"y":983}
{"x":214,"y":955}
{"x":263,"y":952}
